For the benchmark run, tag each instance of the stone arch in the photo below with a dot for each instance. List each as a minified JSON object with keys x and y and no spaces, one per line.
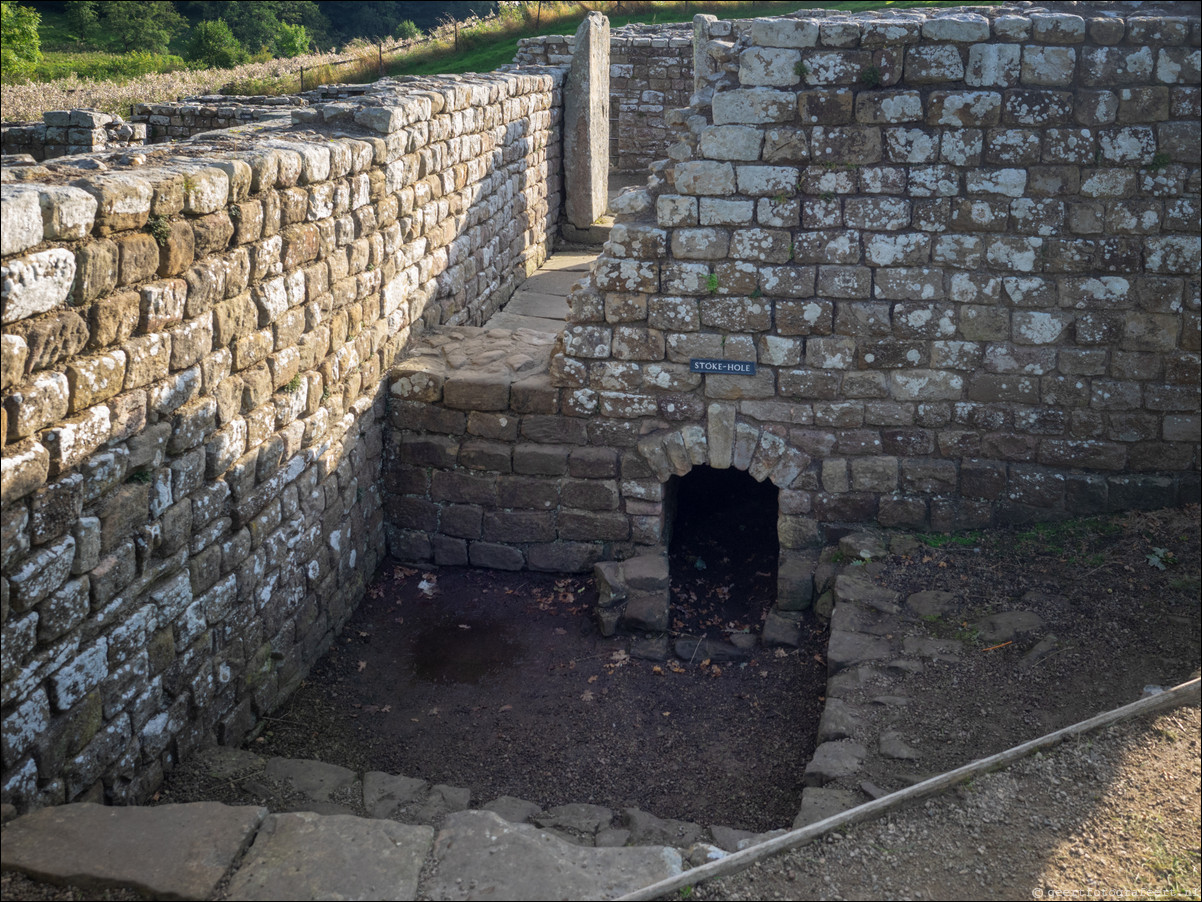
{"x":764,"y":452}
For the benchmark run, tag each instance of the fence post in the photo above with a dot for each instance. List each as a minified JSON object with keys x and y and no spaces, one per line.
{"x":302,"y":75}
{"x":380,"y":51}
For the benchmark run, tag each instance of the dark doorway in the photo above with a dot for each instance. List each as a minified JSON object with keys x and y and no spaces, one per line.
{"x":723,"y":551}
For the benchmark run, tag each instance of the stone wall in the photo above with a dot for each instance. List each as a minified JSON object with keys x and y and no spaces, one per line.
{"x":193,"y":115}
{"x":650,"y":74}
{"x":194,"y":340}
{"x":65,"y":132}
{"x":961,"y":249}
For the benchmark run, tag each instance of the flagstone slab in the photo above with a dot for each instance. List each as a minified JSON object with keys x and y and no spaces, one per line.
{"x":166,"y":852}
{"x":303,"y":856}
{"x":482,"y":856}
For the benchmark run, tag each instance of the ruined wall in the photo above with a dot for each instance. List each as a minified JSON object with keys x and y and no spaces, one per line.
{"x":193,"y":347}
{"x":175,"y":121}
{"x":650,"y":74}
{"x":961,"y":249}
{"x":64,"y":132}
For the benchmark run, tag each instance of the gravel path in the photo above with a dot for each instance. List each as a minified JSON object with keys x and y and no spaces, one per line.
{"x":1115,"y":814}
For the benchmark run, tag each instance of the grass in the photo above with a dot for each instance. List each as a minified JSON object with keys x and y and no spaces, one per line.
{"x":941,"y":540}
{"x":102,"y":66}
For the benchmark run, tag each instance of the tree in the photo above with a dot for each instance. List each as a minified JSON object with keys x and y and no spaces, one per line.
{"x":291,"y":40}
{"x":139,"y":25}
{"x":20,"y":47}
{"x":406,"y":30}
{"x":213,"y":44}
{"x":83,"y":17}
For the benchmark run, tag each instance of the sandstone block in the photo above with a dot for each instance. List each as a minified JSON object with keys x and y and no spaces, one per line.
{"x":67,"y":213}
{"x":22,"y":226}
{"x":37,"y":283}
{"x":753,"y":106}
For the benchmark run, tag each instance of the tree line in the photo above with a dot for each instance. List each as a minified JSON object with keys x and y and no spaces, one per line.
{"x":218,"y":33}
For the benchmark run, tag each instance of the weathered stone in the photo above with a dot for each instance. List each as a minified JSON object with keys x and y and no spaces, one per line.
{"x":818,"y":804}
{"x":172,"y":851}
{"x":310,"y":855}
{"x":586,"y":124}
{"x":833,"y":761}
{"x":37,"y":283}
{"x":22,"y":219}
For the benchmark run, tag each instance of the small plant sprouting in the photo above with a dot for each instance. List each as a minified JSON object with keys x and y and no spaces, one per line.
{"x":1159,"y":161}
{"x":141,"y":477}
{"x":757,"y":292}
{"x":1161,"y":558}
{"x":801,"y":69}
{"x":871,"y":77}
{"x":711,"y":283}
{"x":292,"y":384}
{"x":827,"y":195}
{"x":160,"y":229}
{"x":792,"y":251}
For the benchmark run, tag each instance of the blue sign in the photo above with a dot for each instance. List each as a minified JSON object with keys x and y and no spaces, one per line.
{"x":727,"y":367}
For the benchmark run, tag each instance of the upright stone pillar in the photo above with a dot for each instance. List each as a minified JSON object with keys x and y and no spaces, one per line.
{"x":586,"y":125}
{"x":704,"y":69}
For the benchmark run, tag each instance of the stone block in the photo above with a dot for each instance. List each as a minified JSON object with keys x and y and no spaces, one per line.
{"x":36,"y":283}
{"x":752,"y":106}
{"x":22,"y":225}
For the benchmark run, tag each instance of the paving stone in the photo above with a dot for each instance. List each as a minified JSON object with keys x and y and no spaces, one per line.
{"x":839,"y":720}
{"x":846,"y":649}
{"x":817,"y":804}
{"x":728,"y":838}
{"x":892,"y":745}
{"x":851,"y":588}
{"x":832,"y":761}
{"x":168,"y":852}
{"x":648,"y":830}
{"x":517,"y":811}
{"x":303,"y":855}
{"x":577,"y":818}
{"x":931,"y":603}
{"x":384,"y":793}
{"x":481,"y":856}
{"x":316,"y":779}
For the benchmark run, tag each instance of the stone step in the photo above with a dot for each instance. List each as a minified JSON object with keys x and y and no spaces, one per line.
{"x":184,"y":851}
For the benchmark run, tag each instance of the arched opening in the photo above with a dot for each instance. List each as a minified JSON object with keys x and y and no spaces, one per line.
{"x":722,"y":548}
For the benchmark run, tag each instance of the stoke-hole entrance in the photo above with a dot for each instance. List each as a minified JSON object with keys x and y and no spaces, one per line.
{"x":722,"y":549}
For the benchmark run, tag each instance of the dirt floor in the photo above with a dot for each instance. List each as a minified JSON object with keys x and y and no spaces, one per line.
{"x":500,"y":682}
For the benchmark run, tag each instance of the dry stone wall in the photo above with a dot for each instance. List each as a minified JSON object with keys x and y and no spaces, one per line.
{"x":65,"y":132}
{"x":175,"y":121}
{"x":650,"y":74}
{"x":960,"y":248}
{"x":194,"y":339}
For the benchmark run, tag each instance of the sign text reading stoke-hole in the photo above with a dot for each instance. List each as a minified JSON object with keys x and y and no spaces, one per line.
{"x":732,"y":367}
